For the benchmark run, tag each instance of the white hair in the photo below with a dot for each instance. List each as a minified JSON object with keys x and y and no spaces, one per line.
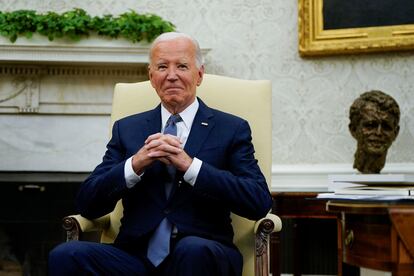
{"x":174,"y":35}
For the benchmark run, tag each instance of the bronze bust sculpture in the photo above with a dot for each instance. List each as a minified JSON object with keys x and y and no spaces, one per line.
{"x":374,"y":123}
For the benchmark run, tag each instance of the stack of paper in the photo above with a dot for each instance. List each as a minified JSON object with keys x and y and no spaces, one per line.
{"x":372,"y":184}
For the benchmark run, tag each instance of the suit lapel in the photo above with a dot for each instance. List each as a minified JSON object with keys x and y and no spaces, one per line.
{"x":153,"y":122}
{"x":202,"y":125}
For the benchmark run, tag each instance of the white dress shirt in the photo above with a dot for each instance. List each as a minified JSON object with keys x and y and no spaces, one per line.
{"x":183,"y":130}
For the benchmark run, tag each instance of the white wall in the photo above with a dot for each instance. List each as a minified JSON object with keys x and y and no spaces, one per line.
{"x":257,"y":39}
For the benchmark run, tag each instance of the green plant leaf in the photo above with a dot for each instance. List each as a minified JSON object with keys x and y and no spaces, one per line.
{"x":77,"y":24}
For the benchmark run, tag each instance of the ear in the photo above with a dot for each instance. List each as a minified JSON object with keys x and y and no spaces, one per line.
{"x":396,"y":131}
{"x":200,"y":75}
{"x":353,"y":130}
{"x":150,"y":75}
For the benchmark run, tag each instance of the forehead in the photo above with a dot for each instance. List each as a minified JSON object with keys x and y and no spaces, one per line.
{"x":372,"y":111}
{"x":180,"y":49}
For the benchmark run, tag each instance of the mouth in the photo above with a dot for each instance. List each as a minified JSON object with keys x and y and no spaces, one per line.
{"x":173,"y":87}
{"x":376,"y":144}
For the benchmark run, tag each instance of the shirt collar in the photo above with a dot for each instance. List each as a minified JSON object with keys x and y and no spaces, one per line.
{"x":187,"y":114}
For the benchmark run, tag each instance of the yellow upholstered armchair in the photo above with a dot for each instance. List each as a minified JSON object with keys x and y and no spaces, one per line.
{"x":248,"y":99}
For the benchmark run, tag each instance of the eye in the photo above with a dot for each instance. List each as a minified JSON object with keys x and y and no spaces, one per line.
{"x":161,"y":67}
{"x":182,"y":66}
{"x":386,"y":126}
{"x":370,"y":125}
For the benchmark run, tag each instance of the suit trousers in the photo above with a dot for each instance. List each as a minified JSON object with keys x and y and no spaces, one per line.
{"x":190,"y":256}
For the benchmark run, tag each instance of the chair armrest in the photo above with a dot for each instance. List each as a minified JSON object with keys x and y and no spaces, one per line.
{"x":269,"y":224}
{"x":76,"y":224}
{"x":262,"y":230}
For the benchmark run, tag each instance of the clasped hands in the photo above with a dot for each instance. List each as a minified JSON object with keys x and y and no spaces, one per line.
{"x":163,"y":147}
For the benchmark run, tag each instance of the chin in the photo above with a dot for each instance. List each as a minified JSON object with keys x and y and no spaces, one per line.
{"x":377,"y":151}
{"x":170,"y":96}
{"x":173,"y":103}
{"x":173,"y":99}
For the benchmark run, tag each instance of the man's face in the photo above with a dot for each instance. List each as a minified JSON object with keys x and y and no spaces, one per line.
{"x":173,"y":73}
{"x":376,"y":130}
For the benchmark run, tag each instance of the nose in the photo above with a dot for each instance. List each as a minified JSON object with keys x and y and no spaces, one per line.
{"x":172,"y":75}
{"x":378,"y":130}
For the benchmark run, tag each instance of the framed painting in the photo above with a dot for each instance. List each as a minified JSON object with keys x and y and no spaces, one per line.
{"x":329,"y":27}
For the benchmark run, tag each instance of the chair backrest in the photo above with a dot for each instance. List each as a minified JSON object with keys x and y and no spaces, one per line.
{"x":249,"y":99}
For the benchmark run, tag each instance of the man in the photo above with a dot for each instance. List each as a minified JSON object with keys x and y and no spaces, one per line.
{"x":183,"y":184}
{"x":374,"y":124}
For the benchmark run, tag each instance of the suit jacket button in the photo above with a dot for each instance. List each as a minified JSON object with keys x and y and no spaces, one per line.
{"x":167,"y":211}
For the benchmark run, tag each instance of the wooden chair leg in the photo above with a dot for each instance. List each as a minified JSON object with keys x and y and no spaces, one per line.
{"x":262,"y":239}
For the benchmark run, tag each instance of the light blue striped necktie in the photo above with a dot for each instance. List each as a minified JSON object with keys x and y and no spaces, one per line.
{"x":159,"y":244}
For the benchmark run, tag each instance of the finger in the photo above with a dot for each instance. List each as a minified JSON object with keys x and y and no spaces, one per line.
{"x":153,"y":137}
{"x":181,"y":160}
{"x":164,"y":160}
{"x":171,"y":139}
{"x":164,"y":141}
{"x":153,"y":144}
{"x":164,"y":151}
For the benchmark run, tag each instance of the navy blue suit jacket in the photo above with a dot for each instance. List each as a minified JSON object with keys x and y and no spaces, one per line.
{"x":229,"y":179}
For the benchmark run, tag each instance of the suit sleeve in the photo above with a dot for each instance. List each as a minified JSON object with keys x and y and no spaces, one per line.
{"x":100,"y":192}
{"x":241,"y":185}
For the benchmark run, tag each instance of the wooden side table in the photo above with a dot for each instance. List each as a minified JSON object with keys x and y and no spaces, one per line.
{"x":376,"y":235}
{"x":297,"y":205}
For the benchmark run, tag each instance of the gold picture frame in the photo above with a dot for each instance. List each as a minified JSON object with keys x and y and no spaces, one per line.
{"x":314,"y":40}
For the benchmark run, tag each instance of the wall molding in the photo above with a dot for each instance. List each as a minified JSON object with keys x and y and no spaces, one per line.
{"x":315,"y":177}
{"x":58,"y":70}
{"x":94,"y":49}
{"x":91,"y":50}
